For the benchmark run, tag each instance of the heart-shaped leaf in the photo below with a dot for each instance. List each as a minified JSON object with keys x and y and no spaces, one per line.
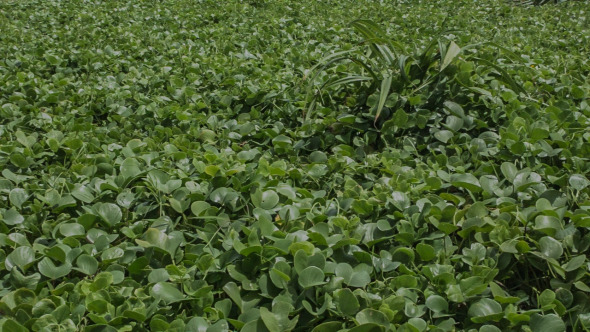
{"x":50,"y":270}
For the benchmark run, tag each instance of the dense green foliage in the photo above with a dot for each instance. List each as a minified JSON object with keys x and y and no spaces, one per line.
{"x":294,"y":165}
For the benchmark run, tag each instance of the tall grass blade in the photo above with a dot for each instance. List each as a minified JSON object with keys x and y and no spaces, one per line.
{"x":348,"y":79}
{"x":452,"y":51}
{"x":385,"y":86}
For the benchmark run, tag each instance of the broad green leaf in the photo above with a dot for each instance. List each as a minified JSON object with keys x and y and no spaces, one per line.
{"x":282,"y":141}
{"x":550,"y":247}
{"x":109,"y":212}
{"x":311,"y":276}
{"x":574,"y":263}
{"x":130,"y":167}
{"x":198,"y":207}
{"x":485,"y":310}
{"x":454,"y":123}
{"x":425,"y":251}
{"x":372,"y":316}
{"x":50,"y":270}
{"x":546,"y":323}
{"x":328,"y":327}
{"x":443,"y":135}
{"x":83,"y":193}
{"x":368,"y":327}
{"x":266,"y":200}
{"x":400,"y":200}
{"x":437,"y":303}
{"x":166,"y":292}
{"x":509,"y":171}
{"x":21,"y":257}
{"x":12,"y":217}
{"x":17,"y":197}
{"x":489,"y":328}
{"x":12,"y":326}
{"x":467,"y":181}
{"x":454,"y":109}
{"x":547,"y":297}
{"x":165,"y":242}
{"x":418,"y":324}
{"x":87,"y":264}
{"x":346,"y":302}
{"x":359,"y":279}
{"x":270,"y":320}
{"x":578,"y":181}
{"x":72,"y":229}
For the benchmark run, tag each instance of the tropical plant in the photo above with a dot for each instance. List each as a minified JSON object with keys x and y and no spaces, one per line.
{"x":400,"y":90}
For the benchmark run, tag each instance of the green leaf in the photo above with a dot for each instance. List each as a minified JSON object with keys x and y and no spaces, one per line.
{"x":270,"y":320}
{"x":318,"y":157}
{"x":509,"y":171}
{"x":282,"y":141}
{"x":346,"y":302}
{"x":87,"y":264}
{"x":547,"y":297}
{"x":467,"y":181}
{"x":109,"y":212}
{"x":166,"y":292}
{"x":369,"y":327}
{"x":443,"y":135}
{"x":454,"y":109}
{"x":72,"y":229}
{"x":547,"y":224}
{"x":13,"y":326}
{"x":489,"y":328}
{"x":425,"y":251}
{"x":437,"y":303}
{"x":19,"y":160}
{"x":418,"y":324}
{"x":359,"y":279}
{"x":83,"y":193}
{"x":17,"y":197}
{"x":328,"y":327}
{"x":550,"y":247}
{"x":582,"y":286}
{"x":199,"y":207}
{"x":11,"y":217}
{"x":454,"y":123}
{"x":311,"y":276}
{"x":452,"y":51}
{"x":546,"y":323}
{"x":384,"y":92}
{"x":574,"y":263}
{"x":485,"y":310}
{"x":372,"y":316}
{"x":400,"y":200}
{"x":130,"y":168}
{"x":400,"y":118}
{"x":21,"y":257}
{"x":168,"y":243}
{"x":50,"y":270}
{"x":578,"y":181}
{"x":102,"y":281}
{"x":265,"y":200}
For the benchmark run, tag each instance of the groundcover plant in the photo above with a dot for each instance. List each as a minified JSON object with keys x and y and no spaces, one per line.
{"x":294,"y":166}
